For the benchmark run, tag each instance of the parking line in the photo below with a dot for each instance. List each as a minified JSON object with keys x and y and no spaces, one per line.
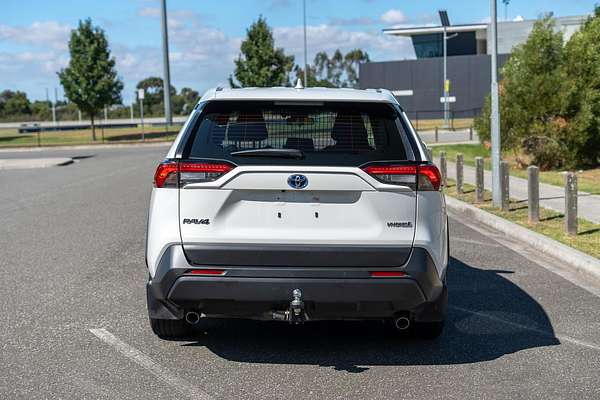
{"x":182,"y":386}
{"x":528,"y":328}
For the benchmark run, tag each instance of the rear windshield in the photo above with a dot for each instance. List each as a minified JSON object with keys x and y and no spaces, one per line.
{"x":349,"y":134}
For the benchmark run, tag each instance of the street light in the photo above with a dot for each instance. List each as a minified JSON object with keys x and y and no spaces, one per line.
{"x":495,"y":112}
{"x":166,"y":72}
{"x":445,"y":24}
{"x":305,"y":52}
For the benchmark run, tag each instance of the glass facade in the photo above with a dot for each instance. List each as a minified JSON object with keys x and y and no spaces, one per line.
{"x":431,"y":45}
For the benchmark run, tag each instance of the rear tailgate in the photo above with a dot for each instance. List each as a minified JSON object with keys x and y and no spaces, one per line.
{"x":252,"y":217}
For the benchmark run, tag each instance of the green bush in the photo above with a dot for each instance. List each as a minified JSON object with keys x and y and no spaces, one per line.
{"x":550,"y":98}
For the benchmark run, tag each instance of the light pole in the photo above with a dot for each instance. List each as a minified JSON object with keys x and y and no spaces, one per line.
{"x":166,"y":72}
{"x":446,"y":23}
{"x":305,"y":50}
{"x":506,"y":2}
{"x":495,"y":114}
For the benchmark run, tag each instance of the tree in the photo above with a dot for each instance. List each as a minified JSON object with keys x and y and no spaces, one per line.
{"x":154,"y":94}
{"x":581,"y":92}
{"x":260,"y":63}
{"x":90,"y":80}
{"x":14,"y":103}
{"x":530,"y":99}
{"x":338,"y":71}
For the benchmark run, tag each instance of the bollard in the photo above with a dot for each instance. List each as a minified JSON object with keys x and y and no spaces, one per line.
{"x":504,"y":185}
{"x":571,"y":203}
{"x":533,"y":194}
{"x":443,"y":168}
{"x":430,"y":154}
{"x":471,"y":133}
{"x":459,"y":173}
{"x":436,"y":134}
{"x":479,"y":180}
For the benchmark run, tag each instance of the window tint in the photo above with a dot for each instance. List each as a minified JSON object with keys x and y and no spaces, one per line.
{"x":327,"y":134}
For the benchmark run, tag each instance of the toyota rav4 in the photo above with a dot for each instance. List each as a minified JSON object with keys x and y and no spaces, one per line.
{"x":297,"y":205}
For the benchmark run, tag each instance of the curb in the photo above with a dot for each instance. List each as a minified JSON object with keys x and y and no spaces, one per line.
{"x":580,"y":261}
{"x":84,"y":147}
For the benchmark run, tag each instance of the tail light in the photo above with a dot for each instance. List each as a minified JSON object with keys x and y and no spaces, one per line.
{"x":423,"y":177}
{"x":173,"y":174}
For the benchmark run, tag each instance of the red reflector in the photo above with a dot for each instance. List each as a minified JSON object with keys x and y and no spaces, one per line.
{"x":391,"y":170}
{"x":207,"y":272}
{"x":205,"y":167}
{"x":387,"y":274}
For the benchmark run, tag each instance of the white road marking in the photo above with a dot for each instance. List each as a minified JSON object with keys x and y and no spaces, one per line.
{"x":477,"y":242}
{"x":528,"y":328}
{"x":181,"y":385}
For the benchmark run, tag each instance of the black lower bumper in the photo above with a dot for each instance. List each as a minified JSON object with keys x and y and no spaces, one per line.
{"x":328,"y":293}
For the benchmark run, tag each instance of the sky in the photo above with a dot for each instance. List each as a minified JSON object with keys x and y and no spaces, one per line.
{"x":205,"y":36}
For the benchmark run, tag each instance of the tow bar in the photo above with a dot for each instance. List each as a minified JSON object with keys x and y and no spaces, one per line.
{"x":295,"y":313}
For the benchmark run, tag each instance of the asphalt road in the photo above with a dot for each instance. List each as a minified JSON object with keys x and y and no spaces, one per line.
{"x":73,"y":323}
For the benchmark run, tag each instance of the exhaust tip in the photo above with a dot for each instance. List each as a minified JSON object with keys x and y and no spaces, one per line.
{"x":192,"y":318}
{"x":402,"y":323}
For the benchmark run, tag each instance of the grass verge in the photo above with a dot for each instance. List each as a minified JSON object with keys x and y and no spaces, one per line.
{"x":551,"y":223}
{"x":430,"y":124}
{"x":587,"y":180}
{"x":11,"y":137}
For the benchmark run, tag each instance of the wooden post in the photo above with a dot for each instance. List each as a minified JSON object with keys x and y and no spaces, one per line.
{"x":430,"y":154}
{"x":436,"y":134}
{"x":479,"y":179}
{"x":443,"y":168}
{"x":571,"y":203}
{"x":533,"y":194}
{"x":504,"y":185}
{"x":471,"y":133}
{"x":459,"y":173}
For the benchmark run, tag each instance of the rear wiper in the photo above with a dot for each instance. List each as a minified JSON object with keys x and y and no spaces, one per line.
{"x":283,"y":153}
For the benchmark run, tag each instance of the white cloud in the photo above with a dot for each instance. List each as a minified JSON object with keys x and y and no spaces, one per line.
{"x":149,"y":12}
{"x":393,"y":17}
{"x":42,"y":34}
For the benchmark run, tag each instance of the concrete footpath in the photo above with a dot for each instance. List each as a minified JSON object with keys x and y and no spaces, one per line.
{"x":552,"y":197}
{"x":28,"y":163}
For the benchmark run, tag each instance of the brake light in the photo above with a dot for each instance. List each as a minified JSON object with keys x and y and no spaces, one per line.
{"x":387,"y":274}
{"x":207,"y":272}
{"x":172,"y":174}
{"x":404,"y":175}
{"x":429,"y":178}
{"x":166,"y":175}
{"x":201,"y":172}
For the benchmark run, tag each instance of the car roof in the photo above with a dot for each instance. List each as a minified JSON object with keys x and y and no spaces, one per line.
{"x":302,"y":94}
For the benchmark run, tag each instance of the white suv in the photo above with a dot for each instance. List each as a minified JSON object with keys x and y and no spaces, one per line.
{"x":297,"y":205}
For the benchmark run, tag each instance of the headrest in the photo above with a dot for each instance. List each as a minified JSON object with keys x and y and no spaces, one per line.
{"x":349,"y":130}
{"x":247,"y":128}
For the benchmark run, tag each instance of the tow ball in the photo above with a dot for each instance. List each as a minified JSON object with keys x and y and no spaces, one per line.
{"x":295,"y":313}
{"x":297,"y":307}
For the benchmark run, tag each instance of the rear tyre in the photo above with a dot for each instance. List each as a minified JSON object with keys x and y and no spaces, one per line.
{"x":171,"y":328}
{"x":428,"y":330}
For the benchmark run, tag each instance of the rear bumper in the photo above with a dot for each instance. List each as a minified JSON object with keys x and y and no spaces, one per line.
{"x":328,"y":292}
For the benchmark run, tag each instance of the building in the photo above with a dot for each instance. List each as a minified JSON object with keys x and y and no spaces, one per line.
{"x":418,"y":83}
